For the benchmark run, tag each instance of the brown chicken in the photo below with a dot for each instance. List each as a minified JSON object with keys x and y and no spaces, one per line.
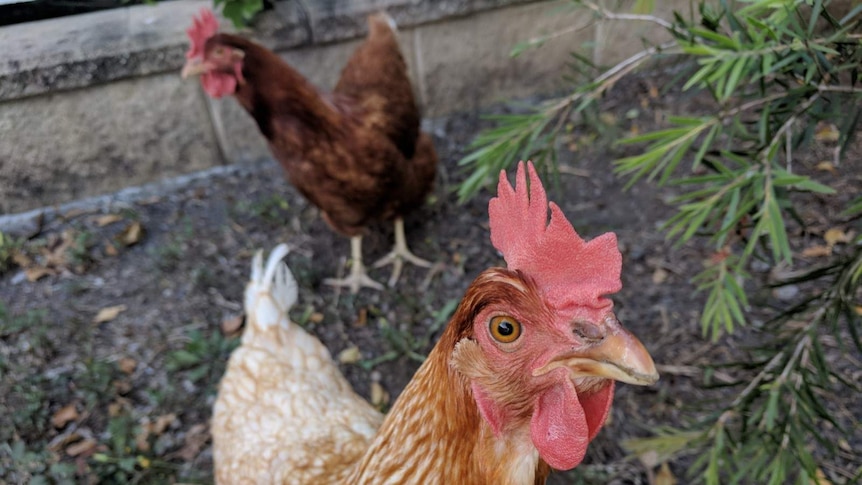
{"x":519,"y":383}
{"x":356,"y":154}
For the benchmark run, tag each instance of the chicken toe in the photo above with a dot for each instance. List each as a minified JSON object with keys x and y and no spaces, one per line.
{"x":399,"y":254}
{"x":358,"y":277}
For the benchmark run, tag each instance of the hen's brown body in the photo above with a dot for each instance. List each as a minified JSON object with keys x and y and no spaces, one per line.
{"x":357,"y":153}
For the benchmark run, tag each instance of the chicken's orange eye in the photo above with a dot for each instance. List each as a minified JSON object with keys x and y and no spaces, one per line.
{"x":505,"y":329}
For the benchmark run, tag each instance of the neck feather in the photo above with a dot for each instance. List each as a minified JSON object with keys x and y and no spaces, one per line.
{"x":273,"y":90}
{"x":435,"y":434}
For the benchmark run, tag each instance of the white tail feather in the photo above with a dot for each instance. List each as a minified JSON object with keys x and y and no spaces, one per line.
{"x":274,"y":279}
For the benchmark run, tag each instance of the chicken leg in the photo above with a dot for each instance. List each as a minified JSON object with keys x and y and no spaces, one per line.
{"x":400,"y":253}
{"x":358,"y":276}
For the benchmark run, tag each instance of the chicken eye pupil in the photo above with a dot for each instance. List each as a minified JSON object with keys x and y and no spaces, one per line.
{"x":504,"y":329}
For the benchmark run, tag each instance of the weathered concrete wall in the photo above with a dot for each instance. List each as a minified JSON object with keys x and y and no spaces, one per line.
{"x":94,"y":103}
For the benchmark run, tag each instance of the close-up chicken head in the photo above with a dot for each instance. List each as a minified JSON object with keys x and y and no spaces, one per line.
{"x":218,"y":64}
{"x":545,"y":346}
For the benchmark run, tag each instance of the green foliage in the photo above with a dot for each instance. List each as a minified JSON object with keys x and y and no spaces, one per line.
{"x":778,"y":72}
{"x":202,"y":358}
{"x":240,"y":12}
{"x":8,"y":248}
{"x":404,"y":343}
{"x":19,"y":464}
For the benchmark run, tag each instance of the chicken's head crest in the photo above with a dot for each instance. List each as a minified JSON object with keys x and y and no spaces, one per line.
{"x":568,"y":270}
{"x":204,"y":27}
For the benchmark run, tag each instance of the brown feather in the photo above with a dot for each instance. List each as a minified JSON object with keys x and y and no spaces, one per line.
{"x":358,"y":155}
{"x":434,"y":432}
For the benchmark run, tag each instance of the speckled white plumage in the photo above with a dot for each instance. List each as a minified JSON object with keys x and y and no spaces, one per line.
{"x":285,"y":413}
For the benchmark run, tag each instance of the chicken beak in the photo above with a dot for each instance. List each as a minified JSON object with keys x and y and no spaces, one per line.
{"x":619,"y":356}
{"x":194,"y":67}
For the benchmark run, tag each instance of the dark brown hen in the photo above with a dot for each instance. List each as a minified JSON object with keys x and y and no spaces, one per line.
{"x":357,"y":154}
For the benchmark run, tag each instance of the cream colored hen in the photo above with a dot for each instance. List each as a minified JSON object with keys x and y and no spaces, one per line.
{"x":282,"y":399}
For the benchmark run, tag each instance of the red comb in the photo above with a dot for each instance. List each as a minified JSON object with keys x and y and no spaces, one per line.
{"x":569,"y":271}
{"x":202,"y":29}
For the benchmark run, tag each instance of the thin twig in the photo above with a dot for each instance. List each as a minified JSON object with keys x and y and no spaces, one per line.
{"x":827,"y":88}
{"x":553,"y":35}
{"x":608,"y":15}
{"x":770,"y":366}
{"x":692,"y":371}
{"x":786,"y":126}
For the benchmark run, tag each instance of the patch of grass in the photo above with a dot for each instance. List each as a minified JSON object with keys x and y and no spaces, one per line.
{"x":202,"y":276}
{"x":23,"y":390}
{"x":402,"y":342}
{"x":18,"y":464}
{"x":203,"y":358}
{"x":170,"y":253}
{"x":95,"y":381}
{"x":79,"y":251}
{"x":25,"y":408}
{"x":8,"y":247}
{"x":29,"y":396}
{"x":272,"y":209}
{"x":14,"y":324}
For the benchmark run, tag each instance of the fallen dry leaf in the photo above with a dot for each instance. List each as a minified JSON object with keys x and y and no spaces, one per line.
{"x":232,"y":326}
{"x":64,"y":415}
{"x":142,"y":439}
{"x":132,"y":234}
{"x":122,"y":386}
{"x":820,"y":478}
{"x":659,"y":276}
{"x":127,"y":365}
{"x":362,"y":318}
{"x":162,"y":423}
{"x":379,"y":396}
{"x":827,"y":132}
{"x":62,"y":441}
{"x":649,"y":458}
{"x":109,"y":313}
{"x":119,"y":406}
{"x":106,"y":219}
{"x":56,"y":251}
{"x":837,"y":236}
{"x":608,"y":118}
{"x":196,"y":437}
{"x":111,"y":250}
{"x":81,"y":447}
{"x":664,"y":476}
{"x":315,"y":317}
{"x":37,"y":273}
{"x":817,"y":251}
{"x":21,"y":259}
{"x":826,"y":166}
{"x":150,"y":200}
{"x":350,"y":355}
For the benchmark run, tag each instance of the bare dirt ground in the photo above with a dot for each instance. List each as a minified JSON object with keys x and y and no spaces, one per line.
{"x":110,"y":359}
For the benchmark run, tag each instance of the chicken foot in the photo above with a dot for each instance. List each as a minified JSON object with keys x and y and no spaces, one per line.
{"x":400,"y":253}
{"x":358,"y":276}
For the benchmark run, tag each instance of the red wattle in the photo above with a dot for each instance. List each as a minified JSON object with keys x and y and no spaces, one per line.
{"x":559,"y":428}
